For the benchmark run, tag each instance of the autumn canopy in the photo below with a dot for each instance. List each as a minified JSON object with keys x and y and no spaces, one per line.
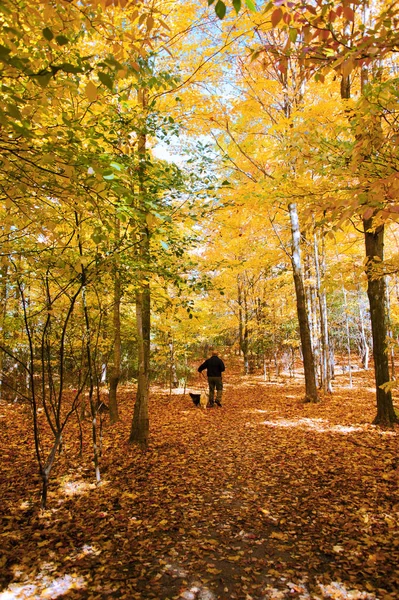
{"x":176,"y":176}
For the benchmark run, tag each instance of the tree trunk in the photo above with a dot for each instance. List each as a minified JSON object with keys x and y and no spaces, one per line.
{"x":364,"y":345}
{"x":140,"y":425}
{"x":46,"y":469}
{"x":116,"y":325}
{"x":304,"y":329}
{"x":240,"y":320}
{"x":321,"y":295}
{"x":89,"y":356}
{"x":246,"y":334}
{"x":313,"y":317}
{"x":116,"y":363}
{"x":173,"y":381}
{"x":3,"y":312}
{"x":374,"y":239}
{"x":243,"y":321}
{"x":315,"y":329}
{"x":389,"y":328}
{"x":348,"y":338}
{"x":374,"y":242}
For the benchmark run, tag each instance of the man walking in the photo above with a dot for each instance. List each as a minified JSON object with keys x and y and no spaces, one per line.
{"x":214,"y":368}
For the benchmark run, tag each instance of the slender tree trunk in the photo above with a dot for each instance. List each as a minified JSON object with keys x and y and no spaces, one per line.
{"x":3,"y":312}
{"x":332,"y":360}
{"x":173,"y":382}
{"x":93,"y":404}
{"x":89,"y":356}
{"x":348,"y":338}
{"x":312,"y":317}
{"x":292,"y":369}
{"x":243,"y":321}
{"x":321,"y":295}
{"x":389,"y":327}
{"x":374,"y":239}
{"x":274,"y":347}
{"x":140,"y":425}
{"x":186,"y":370}
{"x":116,"y":325}
{"x":240,"y":319}
{"x":116,"y":363}
{"x":304,"y":328}
{"x":246,"y":334}
{"x":315,"y":335}
{"x":364,"y":344}
{"x":45,"y":470}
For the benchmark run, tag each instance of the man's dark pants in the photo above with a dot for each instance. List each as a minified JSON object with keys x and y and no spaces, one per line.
{"x":215,"y":382}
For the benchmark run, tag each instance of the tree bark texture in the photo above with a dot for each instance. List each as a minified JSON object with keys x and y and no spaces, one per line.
{"x":313,"y":315}
{"x":89,"y":355}
{"x":115,"y":371}
{"x":140,"y":425}
{"x":173,"y":381}
{"x":389,"y":327}
{"x":243,"y":322}
{"x":365,"y":350}
{"x":3,"y":312}
{"x":348,"y":337}
{"x":321,"y":295}
{"x":116,"y":363}
{"x":303,"y":319}
{"x":374,"y":240}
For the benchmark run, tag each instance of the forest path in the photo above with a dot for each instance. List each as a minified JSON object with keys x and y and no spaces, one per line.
{"x":266,"y":497}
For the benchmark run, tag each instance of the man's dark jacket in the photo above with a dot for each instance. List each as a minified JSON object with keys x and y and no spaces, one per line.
{"x":214,"y":366}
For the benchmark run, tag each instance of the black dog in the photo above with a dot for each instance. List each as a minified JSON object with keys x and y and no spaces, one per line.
{"x":199,"y":399}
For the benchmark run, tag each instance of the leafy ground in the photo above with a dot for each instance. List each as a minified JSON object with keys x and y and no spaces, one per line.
{"x":264,"y":498}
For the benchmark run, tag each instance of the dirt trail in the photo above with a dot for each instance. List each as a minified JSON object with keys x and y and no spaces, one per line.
{"x":263,"y":498}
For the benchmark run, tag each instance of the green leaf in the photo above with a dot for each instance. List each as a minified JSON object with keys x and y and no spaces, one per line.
{"x":237,"y":5}
{"x":109,"y":176}
{"x":210,"y":2}
{"x":44,"y":80}
{"x":13,"y":111}
{"x":69,"y":68}
{"x":4,"y":52}
{"x":220,"y":9}
{"x":98,"y":237}
{"x":61,"y":40}
{"x":116,"y":166}
{"x":4,"y":9}
{"x":250,"y":5}
{"x":105,"y":79}
{"x":48,"y":34}
{"x":255,"y":54}
{"x":293,"y":34}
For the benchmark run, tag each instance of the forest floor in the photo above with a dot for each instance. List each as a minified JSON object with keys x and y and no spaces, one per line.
{"x":266,"y":497}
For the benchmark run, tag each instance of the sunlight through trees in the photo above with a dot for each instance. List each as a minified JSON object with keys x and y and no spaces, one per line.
{"x":181,"y":175}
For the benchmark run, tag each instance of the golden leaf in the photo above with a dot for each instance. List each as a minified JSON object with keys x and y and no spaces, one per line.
{"x":91,"y":91}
